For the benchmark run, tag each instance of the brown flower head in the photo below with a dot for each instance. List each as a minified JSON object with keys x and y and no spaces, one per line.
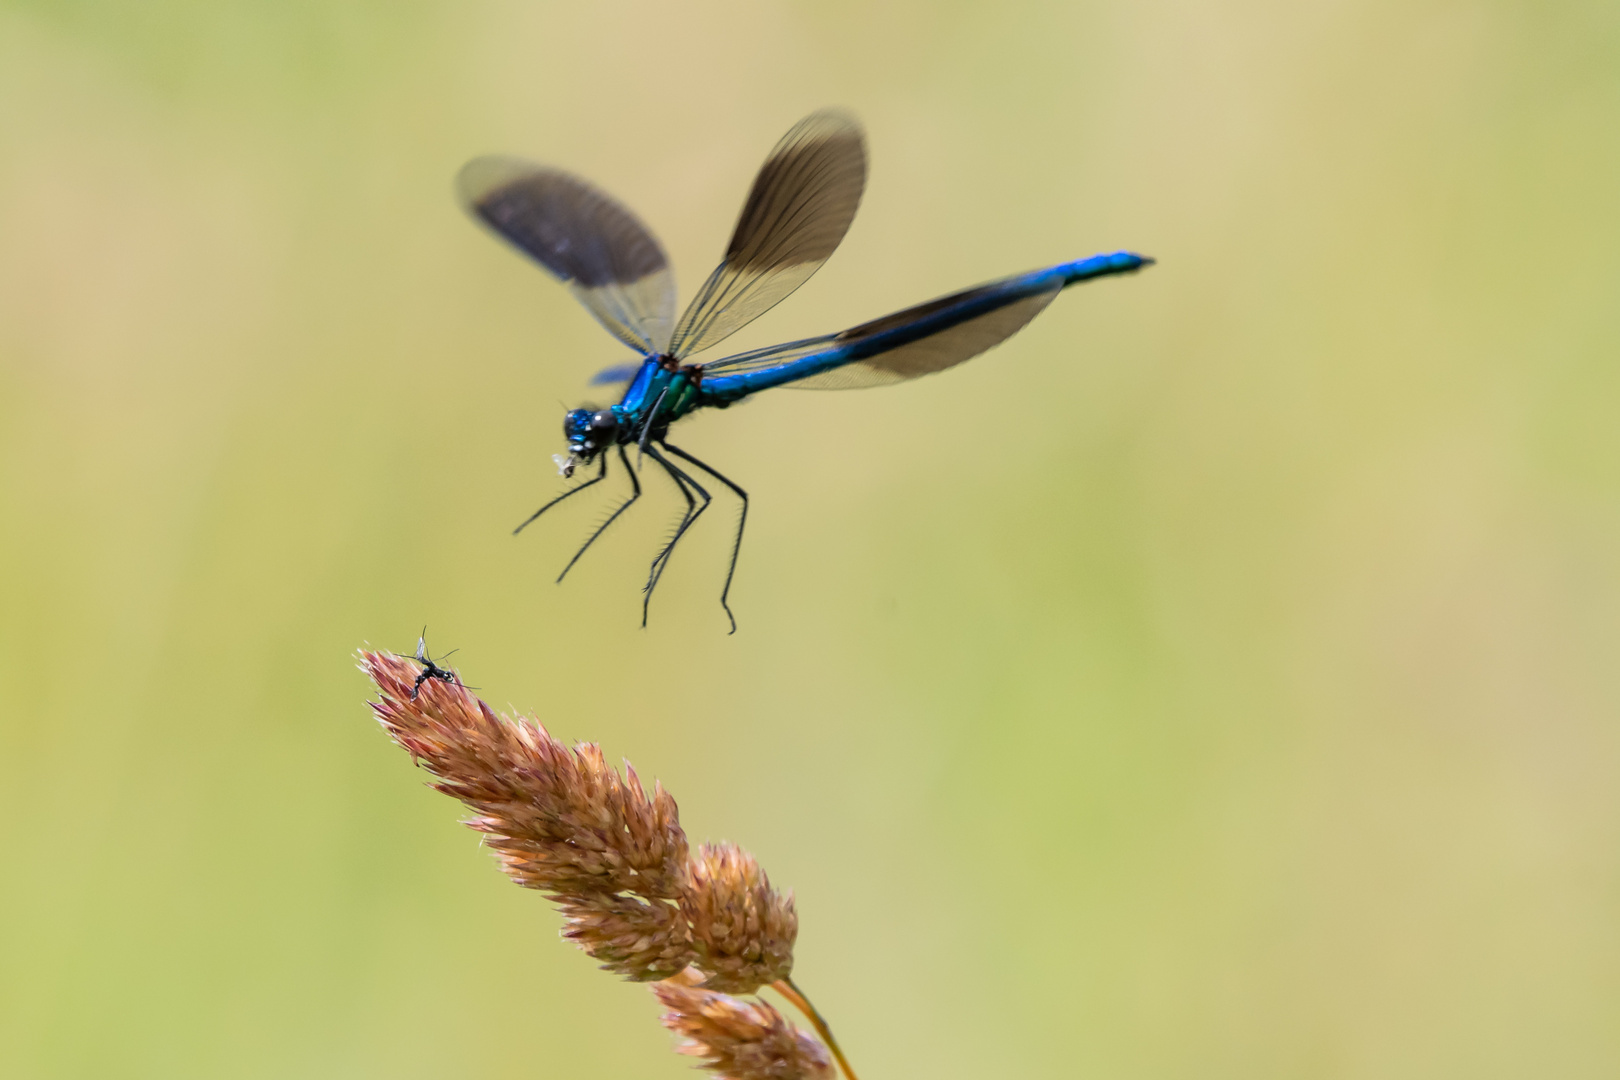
{"x":641,"y":940}
{"x":615,"y":861}
{"x":741,"y":1040}
{"x":562,"y":821}
{"x":742,"y":929}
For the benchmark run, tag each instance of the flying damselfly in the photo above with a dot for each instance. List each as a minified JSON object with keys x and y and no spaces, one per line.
{"x":795,"y":216}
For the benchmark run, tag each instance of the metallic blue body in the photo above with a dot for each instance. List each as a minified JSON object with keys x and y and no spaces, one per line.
{"x":660,"y":386}
{"x":665,"y":392}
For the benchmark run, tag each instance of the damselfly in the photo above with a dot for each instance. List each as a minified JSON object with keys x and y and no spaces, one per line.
{"x":796,"y":214}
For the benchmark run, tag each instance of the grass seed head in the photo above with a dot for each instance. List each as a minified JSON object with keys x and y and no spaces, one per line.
{"x":741,"y":1040}
{"x":641,"y":940}
{"x":742,"y":929}
{"x":560,"y":820}
{"x":616,"y":862}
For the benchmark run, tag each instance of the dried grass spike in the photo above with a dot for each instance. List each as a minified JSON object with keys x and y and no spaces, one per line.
{"x":741,"y":1040}
{"x":643,"y":941}
{"x":742,"y":929}
{"x":560,"y":820}
{"x":615,"y":860}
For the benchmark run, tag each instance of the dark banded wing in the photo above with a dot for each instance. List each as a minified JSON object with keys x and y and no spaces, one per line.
{"x":583,"y":235}
{"x":840,"y":361}
{"x":929,"y":337}
{"x":917,"y":341}
{"x":797,"y":213}
{"x":935,"y":352}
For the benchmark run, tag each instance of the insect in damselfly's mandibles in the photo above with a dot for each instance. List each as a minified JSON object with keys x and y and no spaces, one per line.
{"x":796,"y":214}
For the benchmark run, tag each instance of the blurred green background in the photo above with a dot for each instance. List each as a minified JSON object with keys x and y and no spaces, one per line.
{"x":1217,"y":680}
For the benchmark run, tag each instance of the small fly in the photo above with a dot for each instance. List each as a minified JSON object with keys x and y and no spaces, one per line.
{"x":431,"y":670}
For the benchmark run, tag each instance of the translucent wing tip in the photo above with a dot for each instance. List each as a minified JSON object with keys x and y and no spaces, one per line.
{"x":831,"y":118}
{"x":484,"y":175}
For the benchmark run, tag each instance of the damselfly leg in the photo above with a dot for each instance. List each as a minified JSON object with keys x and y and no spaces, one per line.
{"x":693,"y":512}
{"x":742,"y":522}
{"x":600,"y":473}
{"x":635,"y":483}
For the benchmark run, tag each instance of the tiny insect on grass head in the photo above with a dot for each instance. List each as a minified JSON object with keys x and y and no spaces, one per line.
{"x":702,"y":926}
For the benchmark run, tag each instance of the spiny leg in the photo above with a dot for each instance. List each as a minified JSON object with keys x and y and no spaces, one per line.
{"x":647,"y":424}
{"x":602,"y":528}
{"x":653,"y":572}
{"x":742,"y":522}
{"x":682,"y":481}
{"x":681,"y":477}
{"x":602,"y":472}
{"x":686,"y":485}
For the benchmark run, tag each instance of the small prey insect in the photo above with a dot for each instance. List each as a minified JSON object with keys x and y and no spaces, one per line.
{"x":430,"y":670}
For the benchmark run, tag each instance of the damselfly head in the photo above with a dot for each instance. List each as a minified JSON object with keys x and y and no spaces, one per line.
{"x":589,"y":432}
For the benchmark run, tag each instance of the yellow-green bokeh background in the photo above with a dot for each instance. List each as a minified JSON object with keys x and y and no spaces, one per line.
{"x":1218,"y":680}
